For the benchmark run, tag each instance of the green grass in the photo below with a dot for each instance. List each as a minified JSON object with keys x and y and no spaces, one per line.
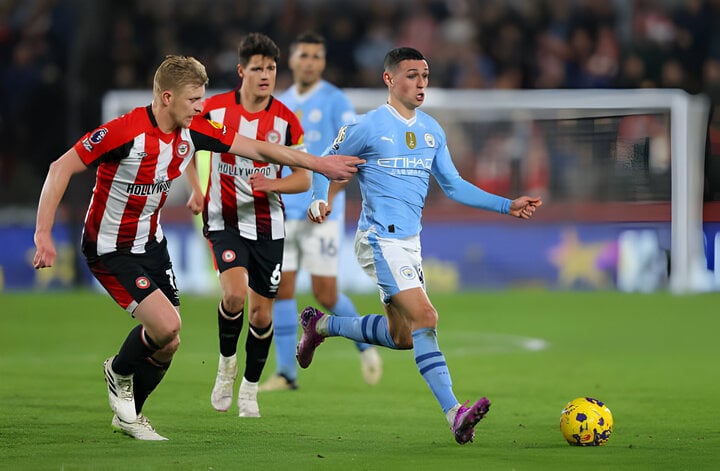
{"x":652,"y":358}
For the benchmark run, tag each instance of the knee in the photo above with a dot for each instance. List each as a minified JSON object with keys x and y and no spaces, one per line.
{"x":326,"y":300}
{"x":171,"y":347}
{"x":260,"y":317}
{"x":325,"y":291}
{"x":234,"y":301}
{"x":428,"y":317}
{"x":168,"y":336}
{"x":166,"y":354}
{"x":166,"y":332}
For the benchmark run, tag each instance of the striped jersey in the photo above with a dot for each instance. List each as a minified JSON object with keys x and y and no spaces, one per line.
{"x":322,"y":110}
{"x":230,"y":202}
{"x":136,"y":164}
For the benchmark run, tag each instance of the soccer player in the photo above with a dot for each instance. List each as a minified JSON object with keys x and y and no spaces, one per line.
{"x":244,"y":221}
{"x":403,"y":147}
{"x":323,"y":109}
{"x":137,"y":156}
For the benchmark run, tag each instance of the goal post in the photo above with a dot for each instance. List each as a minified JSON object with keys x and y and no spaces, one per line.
{"x":686,"y":115}
{"x":688,"y":128}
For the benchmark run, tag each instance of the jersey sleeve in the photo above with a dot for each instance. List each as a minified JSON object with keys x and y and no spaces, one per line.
{"x":296,"y":133}
{"x":107,"y":142}
{"x":458,"y":189}
{"x":344,"y":109}
{"x":349,"y":141}
{"x":211,"y":135}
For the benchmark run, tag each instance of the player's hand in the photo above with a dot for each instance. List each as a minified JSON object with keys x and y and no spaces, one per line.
{"x":525,"y":206}
{"x":195,"y":203}
{"x":338,"y":167}
{"x":45,"y":253}
{"x":259,"y":182}
{"x":318,"y":211}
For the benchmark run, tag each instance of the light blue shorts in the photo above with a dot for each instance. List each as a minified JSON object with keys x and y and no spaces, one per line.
{"x":394,"y":264}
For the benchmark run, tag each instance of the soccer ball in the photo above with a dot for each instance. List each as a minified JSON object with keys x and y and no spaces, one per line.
{"x":586,"y":422}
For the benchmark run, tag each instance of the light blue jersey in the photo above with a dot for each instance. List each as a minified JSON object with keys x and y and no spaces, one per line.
{"x":401,"y":155}
{"x":322,"y":112}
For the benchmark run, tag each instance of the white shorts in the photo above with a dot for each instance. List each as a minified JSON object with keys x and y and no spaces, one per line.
{"x":395,"y":264}
{"x":311,"y":247}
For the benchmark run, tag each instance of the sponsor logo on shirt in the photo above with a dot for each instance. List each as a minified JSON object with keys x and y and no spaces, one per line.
{"x":149,"y":188}
{"x":405,"y":162}
{"x":237,"y":171}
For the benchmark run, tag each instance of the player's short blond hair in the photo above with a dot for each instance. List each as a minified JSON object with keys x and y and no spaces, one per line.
{"x":177,"y":71}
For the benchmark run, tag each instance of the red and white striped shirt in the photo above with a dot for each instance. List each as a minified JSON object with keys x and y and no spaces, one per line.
{"x":137,"y":163}
{"x":230,"y":201}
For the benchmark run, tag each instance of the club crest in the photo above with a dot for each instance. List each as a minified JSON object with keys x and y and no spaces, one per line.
{"x":429,"y":139}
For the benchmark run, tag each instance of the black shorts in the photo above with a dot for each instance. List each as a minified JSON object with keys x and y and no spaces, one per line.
{"x":261,"y":258}
{"x":130,"y":278}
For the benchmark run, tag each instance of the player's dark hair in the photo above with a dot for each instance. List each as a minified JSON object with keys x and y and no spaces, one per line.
{"x":254,"y":44}
{"x":399,"y":54}
{"x":308,"y":37}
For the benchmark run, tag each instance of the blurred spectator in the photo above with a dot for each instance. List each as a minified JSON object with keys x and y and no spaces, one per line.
{"x":711,"y":72}
{"x":34,"y":38}
{"x":633,"y":72}
{"x":642,"y":158}
{"x":512,"y":158}
{"x":62,"y":55}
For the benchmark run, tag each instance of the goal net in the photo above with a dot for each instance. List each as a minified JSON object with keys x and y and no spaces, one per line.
{"x":621,"y":157}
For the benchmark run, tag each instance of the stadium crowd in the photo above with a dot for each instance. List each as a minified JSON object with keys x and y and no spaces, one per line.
{"x":58,"y":57}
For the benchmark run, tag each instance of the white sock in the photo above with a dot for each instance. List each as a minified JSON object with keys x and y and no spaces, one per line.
{"x":321,"y":327}
{"x":246,"y":385}
{"x":450,"y":416}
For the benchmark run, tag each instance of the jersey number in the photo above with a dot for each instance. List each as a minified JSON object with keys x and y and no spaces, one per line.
{"x":327,"y":247}
{"x":276,"y":275}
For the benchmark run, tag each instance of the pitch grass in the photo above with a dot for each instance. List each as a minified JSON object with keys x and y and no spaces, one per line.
{"x":652,"y":358}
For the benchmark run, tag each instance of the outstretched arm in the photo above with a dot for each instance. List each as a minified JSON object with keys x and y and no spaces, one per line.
{"x":335,"y":167}
{"x":297,"y":182}
{"x":53,"y":190}
{"x":464,"y":192}
{"x":525,"y":206}
{"x":196,"y":201}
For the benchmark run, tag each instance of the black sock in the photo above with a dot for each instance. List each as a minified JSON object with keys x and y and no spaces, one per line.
{"x":229,"y":328}
{"x":137,"y":346}
{"x":148,"y":375}
{"x":257,"y":347}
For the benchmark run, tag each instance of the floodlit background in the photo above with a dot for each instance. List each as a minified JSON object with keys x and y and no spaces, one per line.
{"x":59,"y":59}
